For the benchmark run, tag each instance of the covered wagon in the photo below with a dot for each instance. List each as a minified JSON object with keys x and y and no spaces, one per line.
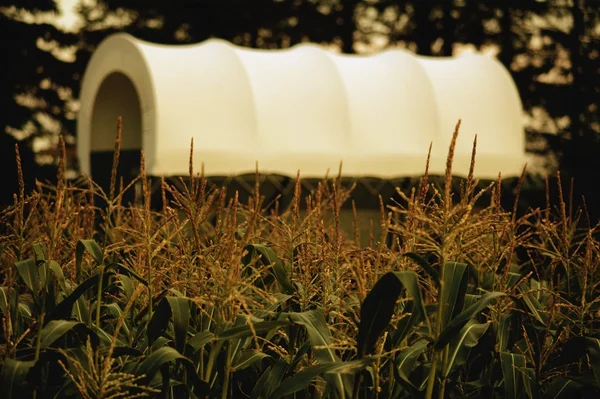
{"x":302,"y":108}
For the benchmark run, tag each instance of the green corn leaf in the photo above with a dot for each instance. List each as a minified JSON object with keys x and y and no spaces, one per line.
{"x":25,"y":310}
{"x":300,"y":353}
{"x":247,"y":358}
{"x":92,"y":248}
{"x":457,"y":323}
{"x":180,"y":312}
{"x":126,"y":285}
{"x":421,"y":261}
{"x":64,"y":308}
{"x":269,"y":258}
{"x":513,"y":279}
{"x":530,"y":383}
{"x":562,"y":388}
{"x":105,"y":337}
{"x":127,"y":271}
{"x":159,"y":321}
{"x":199,"y":340}
{"x":13,"y":378}
{"x":4,"y":299}
{"x":245,"y":331}
{"x":28,"y":271}
{"x":532,"y":305}
{"x":376,"y":312}
{"x":318,"y":334}
{"x":80,"y":310}
{"x":269,"y":380}
{"x":236,"y":346}
{"x":270,"y":308}
{"x":165,"y":355}
{"x":406,"y":359}
{"x":414,"y":306}
{"x":455,"y":288}
{"x":461,"y":346}
{"x":160,"y":342}
{"x":503,"y":331}
{"x":144,"y":312}
{"x":38,"y":250}
{"x":577,"y":347}
{"x":593,"y":348}
{"x":114,"y":309}
{"x":470,"y":299}
{"x":512,"y":366}
{"x":58,"y":274}
{"x":56,"y":329}
{"x":172,"y":308}
{"x":303,"y":378}
{"x":42,"y":268}
{"x":321,"y":342}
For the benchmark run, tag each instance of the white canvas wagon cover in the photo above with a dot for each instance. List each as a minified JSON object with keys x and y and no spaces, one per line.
{"x":303,"y":108}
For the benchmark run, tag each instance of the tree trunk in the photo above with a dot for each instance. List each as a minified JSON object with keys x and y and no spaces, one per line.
{"x":449,"y":27}
{"x":423,"y":27}
{"x":507,"y":51}
{"x":577,"y":104}
{"x":348,"y":26}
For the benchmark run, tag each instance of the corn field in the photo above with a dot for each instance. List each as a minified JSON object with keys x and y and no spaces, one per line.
{"x":212,"y":298}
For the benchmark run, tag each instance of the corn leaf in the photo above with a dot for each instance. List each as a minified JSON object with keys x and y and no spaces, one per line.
{"x":583,"y":347}
{"x":58,"y":274}
{"x":562,"y":388}
{"x":414,"y":306}
{"x":180,"y":312}
{"x":159,"y":321}
{"x":92,"y":248}
{"x":461,"y":346}
{"x":530,"y":383}
{"x":503,"y":331}
{"x":164,"y":356}
{"x":376,"y":312}
{"x":303,"y":378}
{"x":269,"y":258}
{"x":406,"y":359}
{"x":13,"y":378}
{"x":64,"y":308}
{"x":199,"y":340}
{"x":425,"y":265}
{"x":318,"y":334}
{"x":126,"y":285}
{"x":80,"y":310}
{"x":457,"y":323}
{"x":246,"y":331}
{"x":247,"y":358}
{"x":4,"y":299}
{"x":512,"y":366}
{"x":56,"y":329}
{"x":532,"y":305}
{"x":455,"y":288}
{"x":378,"y":308}
{"x":38,"y":250}
{"x":321,"y":342}
{"x":127,"y":271}
{"x":269,"y":380}
{"x":28,"y":271}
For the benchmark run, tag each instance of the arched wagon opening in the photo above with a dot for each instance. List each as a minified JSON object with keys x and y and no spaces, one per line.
{"x":116,"y":97}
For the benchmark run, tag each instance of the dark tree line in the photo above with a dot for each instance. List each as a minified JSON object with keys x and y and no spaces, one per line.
{"x":551,"y":47}
{"x":34,"y":88}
